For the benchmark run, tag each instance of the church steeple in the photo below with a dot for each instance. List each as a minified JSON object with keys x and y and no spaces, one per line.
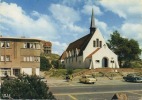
{"x":92,"y":25}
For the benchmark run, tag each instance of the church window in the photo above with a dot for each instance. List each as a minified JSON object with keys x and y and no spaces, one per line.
{"x":94,"y":43}
{"x":97,"y":42}
{"x":100,"y":44}
{"x":97,"y":61}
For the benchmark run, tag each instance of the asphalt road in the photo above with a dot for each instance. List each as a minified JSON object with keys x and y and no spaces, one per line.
{"x":98,"y":92}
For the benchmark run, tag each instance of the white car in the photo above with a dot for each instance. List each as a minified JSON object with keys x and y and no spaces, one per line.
{"x":87,"y":79}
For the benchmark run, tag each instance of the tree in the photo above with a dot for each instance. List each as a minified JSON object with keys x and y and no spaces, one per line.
{"x":44,"y":63}
{"x":26,"y":87}
{"x":127,"y":50}
{"x":56,"y":64}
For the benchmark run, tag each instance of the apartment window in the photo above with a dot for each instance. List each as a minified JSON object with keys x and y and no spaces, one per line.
{"x":37,"y":59}
{"x":37,"y":46}
{"x":2,"y":58}
{"x":2,"y":44}
{"x":7,"y":58}
{"x":25,"y":59}
{"x":28,"y":58}
{"x":32,"y":45}
{"x":5,"y":44}
{"x":31,"y":58}
{"x":16,"y":72}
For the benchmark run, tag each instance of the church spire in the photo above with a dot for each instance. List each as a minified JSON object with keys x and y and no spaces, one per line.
{"x":92,"y":25}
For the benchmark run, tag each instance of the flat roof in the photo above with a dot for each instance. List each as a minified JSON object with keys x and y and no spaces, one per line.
{"x":21,"y":39}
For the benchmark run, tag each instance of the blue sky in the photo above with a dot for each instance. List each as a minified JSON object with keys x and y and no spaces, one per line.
{"x":63,"y":21}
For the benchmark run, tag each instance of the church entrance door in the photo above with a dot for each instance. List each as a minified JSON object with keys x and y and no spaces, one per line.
{"x":105,"y":62}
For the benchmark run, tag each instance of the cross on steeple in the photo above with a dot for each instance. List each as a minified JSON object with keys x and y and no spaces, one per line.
{"x":92,"y":25}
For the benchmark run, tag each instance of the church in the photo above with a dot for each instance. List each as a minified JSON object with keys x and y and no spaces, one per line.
{"x":90,"y":51}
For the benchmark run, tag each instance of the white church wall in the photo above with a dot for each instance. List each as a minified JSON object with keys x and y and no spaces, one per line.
{"x":90,"y":48}
{"x":105,"y":52}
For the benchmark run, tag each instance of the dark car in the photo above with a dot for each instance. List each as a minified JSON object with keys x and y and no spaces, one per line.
{"x":132,"y":78}
{"x":138,"y":79}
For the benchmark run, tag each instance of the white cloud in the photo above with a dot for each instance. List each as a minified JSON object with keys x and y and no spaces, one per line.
{"x":125,"y":9}
{"x":18,"y":22}
{"x":87,"y":9}
{"x":67,"y":17}
{"x":59,"y":47}
{"x":133,"y":31}
{"x":103,"y":27}
{"x":64,"y":13}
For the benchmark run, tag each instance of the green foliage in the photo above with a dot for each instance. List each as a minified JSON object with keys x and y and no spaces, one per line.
{"x":133,"y":64}
{"x":127,"y":50}
{"x":51,"y":56}
{"x":70,"y":71}
{"x":26,"y":87}
{"x":56,"y":64}
{"x":58,"y":73}
{"x":44,"y":63}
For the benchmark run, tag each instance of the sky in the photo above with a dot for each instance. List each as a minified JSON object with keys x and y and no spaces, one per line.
{"x":64,"y":21}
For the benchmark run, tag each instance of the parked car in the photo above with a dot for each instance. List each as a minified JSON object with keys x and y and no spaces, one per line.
{"x":87,"y":79}
{"x":132,"y":78}
{"x":138,"y":79}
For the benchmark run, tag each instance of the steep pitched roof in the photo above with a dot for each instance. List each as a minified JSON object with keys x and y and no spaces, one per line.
{"x":80,"y":44}
{"x":90,"y":56}
{"x":63,"y":56}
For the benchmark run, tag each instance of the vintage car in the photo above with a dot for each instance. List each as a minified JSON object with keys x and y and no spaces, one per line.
{"x":132,"y":78}
{"x":87,"y":79}
{"x":138,"y":79}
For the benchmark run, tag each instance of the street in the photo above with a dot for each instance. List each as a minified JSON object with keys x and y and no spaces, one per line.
{"x":78,"y":91}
